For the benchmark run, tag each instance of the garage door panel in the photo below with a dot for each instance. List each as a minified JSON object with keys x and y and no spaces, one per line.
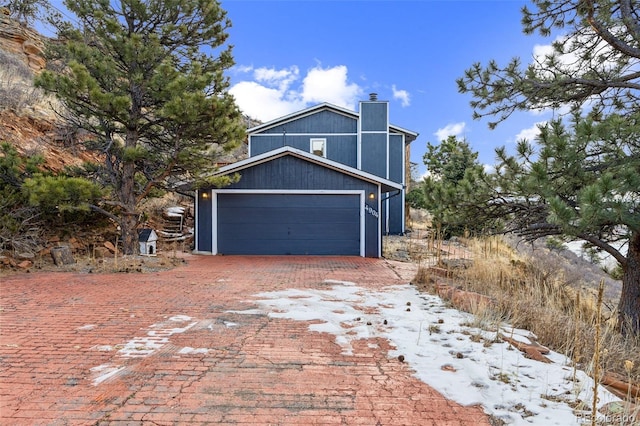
{"x":276,"y":200}
{"x":318,"y":224}
{"x":239,"y":215}
{"x":334,"y":232}
{"x":295,"y":247}
{"x":284,"y":216}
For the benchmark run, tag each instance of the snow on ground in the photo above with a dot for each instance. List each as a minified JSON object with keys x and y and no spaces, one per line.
{"x":141,"y":347}
{"x":447,"y":350}
{"x":604,"y":259}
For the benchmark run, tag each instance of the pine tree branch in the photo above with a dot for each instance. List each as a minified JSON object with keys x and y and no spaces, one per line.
{"x":606,"y":247}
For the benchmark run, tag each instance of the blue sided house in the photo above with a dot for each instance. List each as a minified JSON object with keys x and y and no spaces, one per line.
{"x":322,"y":181}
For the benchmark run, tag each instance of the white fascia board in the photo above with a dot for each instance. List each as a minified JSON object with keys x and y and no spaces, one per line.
{"x":316,"y":134}
{"x":363,"y":228}
{"x":214,"y":222}
{"x":287,"y":150}
{"x":290,"y":191}
{"x":359,"y":145}
{"x":396,"y":129}
{"x":197,"y":220}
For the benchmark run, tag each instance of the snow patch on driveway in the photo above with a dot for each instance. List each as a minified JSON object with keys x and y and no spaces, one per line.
{"x":140,"y":347}
{"x":446,"y":348}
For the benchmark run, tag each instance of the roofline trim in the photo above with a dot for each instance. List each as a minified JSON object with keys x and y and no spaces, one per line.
{"x":312,"y":109}
{"x":287,"y":150}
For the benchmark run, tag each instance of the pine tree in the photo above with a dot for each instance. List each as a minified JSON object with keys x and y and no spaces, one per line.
{"x":450,"y":166}
{"x":594,"y":61}
{"x":145,"y":78}
{"x":29,"y":11}
{"x":583,"y":183}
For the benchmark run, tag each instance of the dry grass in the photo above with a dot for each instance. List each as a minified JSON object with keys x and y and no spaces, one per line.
{"x":423,"y":245}
{"x":541,"y":296}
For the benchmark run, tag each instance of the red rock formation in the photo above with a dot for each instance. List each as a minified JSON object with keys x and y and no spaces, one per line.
{"x":26,"y":43}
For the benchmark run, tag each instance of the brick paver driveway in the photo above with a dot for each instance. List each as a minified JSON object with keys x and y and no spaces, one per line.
{"x":166,"y":348}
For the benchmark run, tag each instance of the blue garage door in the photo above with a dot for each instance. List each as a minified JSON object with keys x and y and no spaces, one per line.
{"x":279,"y":224}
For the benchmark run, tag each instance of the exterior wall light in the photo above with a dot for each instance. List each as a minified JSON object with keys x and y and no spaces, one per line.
{"x":205,"y":195}
{"x":372,"y":196}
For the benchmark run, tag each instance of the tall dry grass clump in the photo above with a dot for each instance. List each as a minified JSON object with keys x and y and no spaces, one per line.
{"x":537,"y":295}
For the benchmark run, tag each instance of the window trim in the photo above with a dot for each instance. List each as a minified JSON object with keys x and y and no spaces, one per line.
{"x":324,"y":146}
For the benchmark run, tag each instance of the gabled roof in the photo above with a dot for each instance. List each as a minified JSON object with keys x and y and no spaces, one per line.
{"x":410,"y":135}
{"x":386,"y":184}
{"x":147,"y":234}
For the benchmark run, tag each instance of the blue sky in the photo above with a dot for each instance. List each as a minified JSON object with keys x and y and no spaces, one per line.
{"x":294,"y":54}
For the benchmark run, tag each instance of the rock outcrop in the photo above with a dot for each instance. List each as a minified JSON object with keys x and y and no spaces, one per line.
{"x":26,"y":43}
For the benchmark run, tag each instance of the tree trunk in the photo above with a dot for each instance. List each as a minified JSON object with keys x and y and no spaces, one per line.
{"x":629,"y":305}
{"x":129,"y":217}
{"x":129,"y":227}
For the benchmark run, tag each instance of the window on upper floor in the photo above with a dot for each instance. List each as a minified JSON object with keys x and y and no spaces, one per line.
{"x":319,"y":147}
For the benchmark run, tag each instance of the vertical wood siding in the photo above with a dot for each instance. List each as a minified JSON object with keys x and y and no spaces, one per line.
{"x":396,"y":158}
{"x":396,"y":207}
{"x":396,"y":174}
{"x":374,"y":116}
{"x":290,"y":172}
{"x":325,"y":122}
{"x":374,"y":154}
{"x":340,"y":148}
{"x":204,"y":212}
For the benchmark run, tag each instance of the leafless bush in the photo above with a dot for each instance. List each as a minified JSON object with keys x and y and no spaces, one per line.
{"x":16,"y":84}
{"x":21,"y":231}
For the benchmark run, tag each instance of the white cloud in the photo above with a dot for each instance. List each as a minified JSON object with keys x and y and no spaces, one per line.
{"x":428,"y":175}
{"x":330,"y":85}
{"x":277,"y":92}
{"x":281,"y":79}
{"x":243,"y":68}
{"x":572,"y":62}
{"x":489,"y":168}
{"x":402,"y":95}
{"x":568,"y":62}
{"x":575,"y":62}
{"x":261,"y":102}
{"x":453,"y":129}
{"x":531,"y":133}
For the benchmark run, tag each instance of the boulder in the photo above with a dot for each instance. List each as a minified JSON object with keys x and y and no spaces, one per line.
{"x":62,"y":256}
{"x":109,"y":245}
{"x":101,"y":252}
{"x":25,"y":264}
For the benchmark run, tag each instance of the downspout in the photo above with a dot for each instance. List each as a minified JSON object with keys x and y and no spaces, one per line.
{"x":398,"y":192}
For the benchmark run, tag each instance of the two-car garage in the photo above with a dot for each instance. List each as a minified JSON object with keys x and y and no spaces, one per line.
{"x":291,"y":223}
{"x":290,"y":202}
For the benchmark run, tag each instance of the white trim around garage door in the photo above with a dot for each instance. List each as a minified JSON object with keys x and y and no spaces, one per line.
{"x":214,"y":207}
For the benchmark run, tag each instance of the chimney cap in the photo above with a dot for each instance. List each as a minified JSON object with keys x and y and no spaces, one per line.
{"x":373,"y":96}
